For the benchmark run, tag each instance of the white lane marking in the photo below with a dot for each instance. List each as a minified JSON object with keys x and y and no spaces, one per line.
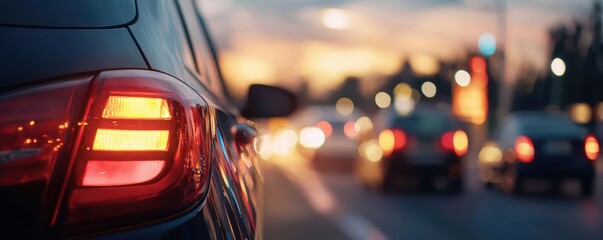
{"x":357,"y":227}
{"x":353,"y":225}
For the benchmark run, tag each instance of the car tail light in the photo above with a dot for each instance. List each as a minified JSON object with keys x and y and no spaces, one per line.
{"x":325,"y":127}
{"x":524,"y":149}
{"x":591,"y":147}
{"x":455,"y":141}
{"x":141,"y":153}
{"x":349,"y":129}
{"x":391,"y":140}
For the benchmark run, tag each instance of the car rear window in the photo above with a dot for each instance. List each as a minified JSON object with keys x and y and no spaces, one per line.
{"x":67,"y":14}
{"x":424,"y":125}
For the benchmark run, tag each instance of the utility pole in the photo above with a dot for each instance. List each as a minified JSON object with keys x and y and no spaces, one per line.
{"x":504,"y":91}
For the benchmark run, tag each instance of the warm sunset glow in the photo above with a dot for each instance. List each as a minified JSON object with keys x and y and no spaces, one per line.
{"x":334,"y":18}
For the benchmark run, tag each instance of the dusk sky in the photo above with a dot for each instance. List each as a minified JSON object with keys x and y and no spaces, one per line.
{"x":322,"y":42}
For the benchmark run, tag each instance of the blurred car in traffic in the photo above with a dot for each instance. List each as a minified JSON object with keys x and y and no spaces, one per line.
{"x":329,"y":137}
{"x":532,"y":146}
{"x":422,"y":149}
{"x":115,"y":123}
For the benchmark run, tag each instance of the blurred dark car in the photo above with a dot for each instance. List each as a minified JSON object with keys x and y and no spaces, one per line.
{"x":423,"y":149}
{"x":115,"y":123}
{"x":335,"y":147}
{"x":539,"y":146}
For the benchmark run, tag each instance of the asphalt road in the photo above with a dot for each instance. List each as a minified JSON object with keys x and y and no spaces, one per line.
{"x":302,"y":203}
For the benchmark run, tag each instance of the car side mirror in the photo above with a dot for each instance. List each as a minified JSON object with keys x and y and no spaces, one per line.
{"x":265,"y":101}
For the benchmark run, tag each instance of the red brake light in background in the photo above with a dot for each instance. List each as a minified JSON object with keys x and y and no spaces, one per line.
{"x":446,"y":140}
{"x":391,"y":140}
{"x":456,"y":142}
{"x":460,"y":141}
{"x":349,"y":129}
{"x":325,"y":127}
{"x":524,"y":149}
{"x":591,"y":147}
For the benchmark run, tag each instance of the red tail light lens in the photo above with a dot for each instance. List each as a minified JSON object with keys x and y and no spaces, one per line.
{"x":116,"y":173}
{"x":524,"y":149}
{"x":591,"y":147}
{"x":36,"y":133}
{"x":142,"y":152}
{"x":392,"y":140}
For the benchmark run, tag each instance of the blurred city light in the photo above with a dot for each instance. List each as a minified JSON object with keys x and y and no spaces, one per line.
{"x":558,"y":67}
{"x":363,"y":124}
{"x":404,"y":106}
{"x":581,"y":113}
{"x":471,"y":102}
{"x":325,"y":127}
{"x":334,"y":18}
{"x":344,"y":106}
{"x":599,"y":111}
{"x":429,"y":89}
{"x":487,"y":44}
{"x":265,"y":146}
{"x":490,"y":154}
{"x":460,"y":141}
{"x":311,"y":137}
{"x":387,"y":141}
{"x":349,"y":129}
{"x":371,"y":151}
{"x":591,"y":147}
{"x":424,"y":65}
{"x":402,"y":90}
{"x":462,"y":78}
{"x":383,"y":100}
{"x":284,"y":141}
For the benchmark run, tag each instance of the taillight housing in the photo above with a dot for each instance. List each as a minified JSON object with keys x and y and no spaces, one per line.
{"x":524,"y":149}
{"x":141,"y":153}
{"x":391,"y":140}
{"x":455,"y":141}
{"x":591,"y":147}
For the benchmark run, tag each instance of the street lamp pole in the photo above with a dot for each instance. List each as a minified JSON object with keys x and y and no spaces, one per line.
{"x":504,"y":92}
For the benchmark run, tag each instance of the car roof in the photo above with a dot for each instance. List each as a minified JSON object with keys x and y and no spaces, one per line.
{"x":67,"y":14}
{"x":546,"y":123}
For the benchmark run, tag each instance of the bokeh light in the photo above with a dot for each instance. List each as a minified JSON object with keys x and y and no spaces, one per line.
{"x":462,"y":78}
{"x":284,"y":141}
{"x":581,"y":113}
{"x":487,"y":44}
{"x":371,"y":151}
{"x":558,"y":67}
{"x":490,"y":154}
{"x":325,"y":127}
{"x":599,"y":111}
{"x":311,"y":137}
{"x":349,"y":129}
{"x":383,"y":100}
{"x":429,"y":89}
{"x":404,"y":106}
{"x":364,"y":124}
{"x":334,"y":18}
{"x":344,"y":106}
{"x":424,"y":65}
